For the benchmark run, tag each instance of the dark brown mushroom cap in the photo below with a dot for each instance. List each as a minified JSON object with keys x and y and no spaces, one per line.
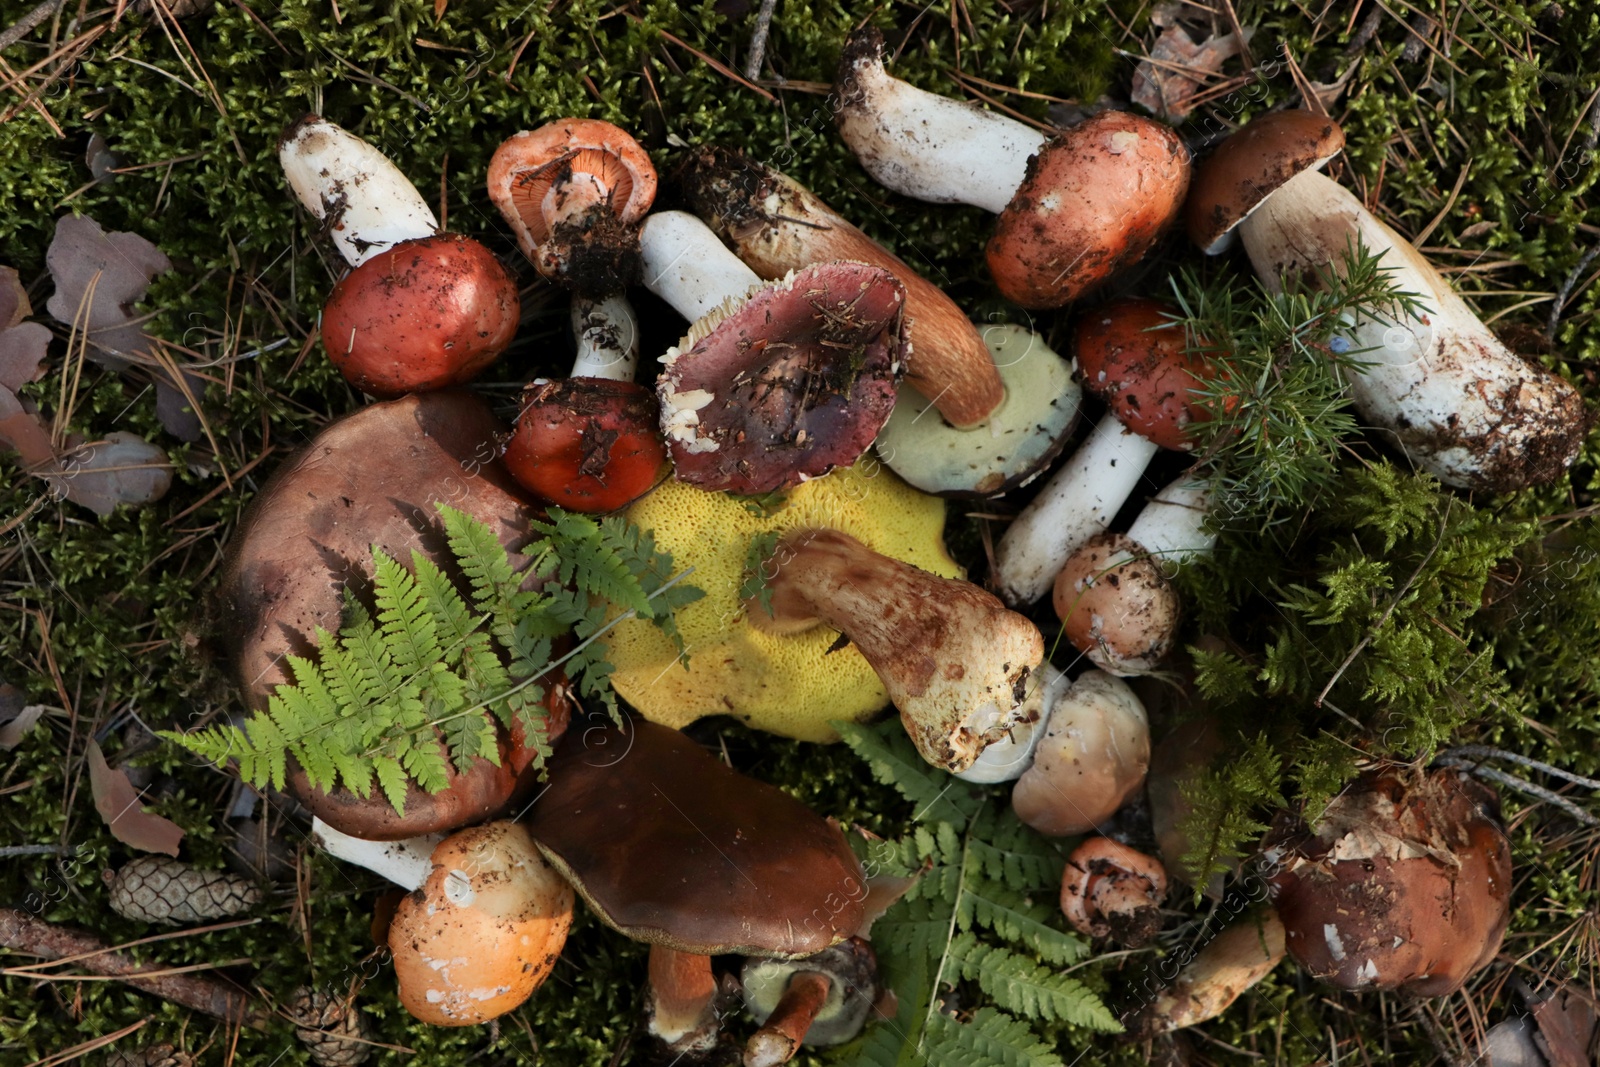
{"x":796,"y":381}
{"x":1404,"y":883}
{"x":669,"y":846}
{"x":1250,"y":165}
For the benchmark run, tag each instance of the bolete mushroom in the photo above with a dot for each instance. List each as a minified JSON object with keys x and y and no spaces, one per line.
{"x":421,"y":309}
{"x":1215,"y":976}
{"x":1074,"y":208}
{"x":1109,"y":890}
{"x":773,"y":386}
{"x":1007,"y":758}
{"x":1003,"y":404}
{"x":820,"y":1001}
{"x":484,"y":931}
{"x":1091,"y":760}
{"x":371,"y":478}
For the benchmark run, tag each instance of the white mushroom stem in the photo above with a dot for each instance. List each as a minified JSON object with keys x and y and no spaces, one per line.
{"x":925,"y":145}
{"x":406,"y":863}
{"x":607,"y":332}
{"x":688,"y":266}
{"x":369,"y":205}
{"x":1172,"y":527}
{"x":1453,"y":397}
{"x":1079,"y":501}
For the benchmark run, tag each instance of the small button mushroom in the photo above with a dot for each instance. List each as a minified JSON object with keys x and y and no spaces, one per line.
{"x":1227,"y":965}
{"x":774,"y":386}
{"x":1092,"y":759}
{"x":1109,"y":890}
{"x":1074,"y":208}
{"x":486,"y":928}
{"x":421,"y":309}
{"x":1004,"y":403}
{"x":1404,"y":882}
{"x":818,"y":1001}
{"x":954,"y":660}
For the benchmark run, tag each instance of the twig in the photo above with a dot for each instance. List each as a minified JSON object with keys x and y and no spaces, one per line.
{"x":21,"y":932}
{"x":758,"y":39}
{"x":1565,"y":292}
{"x":1522,"y":785}
{"x":1480,"y":752}
{"x":8,"y":851}
{"x":23,"y":26}
{"x":1238,"y":33}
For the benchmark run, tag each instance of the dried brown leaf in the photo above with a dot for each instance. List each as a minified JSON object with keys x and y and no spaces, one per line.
{"x":123,"y":468}
{"x":14,"y":306}
{"x":1567,"y":1029}
{"x":21,"y":430}
{"x":1168,"y":79}
{"x":118,"y":268}
{"x":117,"y":801}
{"x":22,"y":354}
{"x":14,"y":727}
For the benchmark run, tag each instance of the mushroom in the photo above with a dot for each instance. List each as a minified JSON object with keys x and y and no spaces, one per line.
{"x":1004,"y":404}
{"x":1074,"y":208}
{"x":1091,"y":760}
{"x":819,"y":1001}
{"x":1133,"y":354}
{"x":789,"y":685}
{"x":573,"y":192}
{"x":1115,"y":600}
{"x":1005,"y":759}
{"x":1403,"y":882}
{"x":776,"y":385}
{"x":1226,"y":966}
{"x":1111,"y":890}
{"x":421,"y":309}
{"x":485,"y":929}
{"x":953,"y":659}
{"x":406,"y":862}
{"x":1438,"y":382}
{"x":371,"y":478}
{"x":682,"y":1008}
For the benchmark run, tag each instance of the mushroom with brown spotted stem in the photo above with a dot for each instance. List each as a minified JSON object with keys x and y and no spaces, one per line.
{"x":1074,"y":208}
{"x":980,"y":411}
{"x":1109,"y":890}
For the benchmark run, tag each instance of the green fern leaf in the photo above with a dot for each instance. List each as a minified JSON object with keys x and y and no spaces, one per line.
{"x":991,"y":1039}
{"x":992,"y":906}
{"x":894,"y":762}
{"x":392,"y":780}
{"x":408,"y":629}
{"x":1018,"y":984}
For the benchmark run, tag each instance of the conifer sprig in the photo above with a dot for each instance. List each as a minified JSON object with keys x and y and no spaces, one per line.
{"x":401,"y":697}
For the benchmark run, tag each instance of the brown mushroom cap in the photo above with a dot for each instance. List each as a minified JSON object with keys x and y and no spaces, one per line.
{"x":1116,"y":606}
{"x":1250,"y":165}
{"x":668,"y":845}
{"x":797,"y":380}
{"x":1133,"y":356}
{"x":1111,"y":890}
{"x":370,"y":478}
{"x":1403,"y":883}
{"x":476,"y":939}
{"x":1095,"y":200}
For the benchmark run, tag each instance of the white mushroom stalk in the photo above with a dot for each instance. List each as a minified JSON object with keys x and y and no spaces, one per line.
{"x":1173,"y":528}
{"x":368,"y":205}
{"x":1078,"y":502}
{"x":1005,"y":760}
{"x":688,"y":266}
{"x":1229,"y":964}
{"x":406,"y":863}
{"x":607,"y":332}
{"x":925,"y":145}
{"x":1441,"y":385}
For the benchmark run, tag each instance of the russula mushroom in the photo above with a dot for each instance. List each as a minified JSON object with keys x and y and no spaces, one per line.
{"x":1438,"y":382}
{"x":1131,"y":353}
{"x":573,"y":192}
{"x":486,"y":928}
{"x":1403,"y":882}
{"x":1224,"y":967}
{"x":954,"y":660}
{"x":421,"y":309}
{"x":371,"y":478}
{"x":1091,"y":760}
{"x":819,"y":1001}
{"x":1004,"y":404}
{"x":776,"y":385}
{"x":1109,"y":890}
{"x":1113,"y":595}
{"x":789,"y":685}
{"x":1074,"y":208}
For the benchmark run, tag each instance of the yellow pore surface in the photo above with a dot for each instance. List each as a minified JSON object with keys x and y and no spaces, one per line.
{"x":786,"y":685}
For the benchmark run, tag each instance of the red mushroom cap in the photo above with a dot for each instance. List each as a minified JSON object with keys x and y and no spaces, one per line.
{"x":423,"y":315}
{"x":1133,"y":357}
{"x":796,"y":381}
{"x":587,"y":444}
{"x":1250,"y":165}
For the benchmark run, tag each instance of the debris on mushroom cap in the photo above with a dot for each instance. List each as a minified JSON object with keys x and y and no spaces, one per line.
{"x":1226,"y":966}
{"x":1249,"y":166}
{"x":792,"y":686}
{"x":573,"y":192}
{"x":787,"y":385}
{"x":1133,"y":356}
{"x":1092,"y":758}
{"x":954,"y":659}
{"x":421,"y":315}
{"x":668,"y":845}
{"x":1404,"y":883}
{"x":586,"y":444}
{"x":483,"y":931}
{"x":1111,"y":890}
{"x":1116,"y":606}
{"x":850,"y":970}
{"x":370,"y":478}
{"x":1096,"y":199}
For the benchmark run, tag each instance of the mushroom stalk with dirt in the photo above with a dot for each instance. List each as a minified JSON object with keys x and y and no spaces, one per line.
{"x":1074,"y":208}
{"x":1215,"y":976}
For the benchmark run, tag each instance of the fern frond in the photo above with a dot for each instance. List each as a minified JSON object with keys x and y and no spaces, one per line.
{"x":991,"y":1039}
{"x":407,"y":625}
{"x":1018,"y":984}
{"x":894,"y":762}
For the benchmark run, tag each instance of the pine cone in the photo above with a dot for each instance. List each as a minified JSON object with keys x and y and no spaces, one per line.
{"x":156,"y":889}
{"x":162,"y":1055}
{"x":325,"y":1023}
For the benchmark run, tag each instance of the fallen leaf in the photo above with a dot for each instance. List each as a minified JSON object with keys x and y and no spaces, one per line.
{"x":118,"y":268}
{"x":99,"y":159}
{"x":20,"y":429}
{"x":13,"y":728}
{"x":14,"y":306}
{"x":22,"y":354}
{"x":117,"y":801}
{"x":1510,"y":1044}
{"x":1566,"y":1029}
{"x":1167,"y":80}
{"x":121,"y":469}
{"x":174,"y":408}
